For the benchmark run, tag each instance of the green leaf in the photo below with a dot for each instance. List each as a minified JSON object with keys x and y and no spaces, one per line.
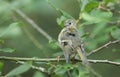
{"x":84,"y":74}
{"x":97,"y":16}
{"x":61,"y":69}
{"x":83,"y":4}
{"x":90,"y":6}
{"x":107,"y":1}
{"x":19,"y":70}
{"x":81,"y":71}
{"x":38,"y":74}
{"x":1,"y":41}
{"x":50,"y":69}
{"x":53,"y":44}
{"x":1,"y":65}
{"x":10,"y":50}
{"x":115,"y":33}
{"x":61,"y":20}
{"x":12,"y":30}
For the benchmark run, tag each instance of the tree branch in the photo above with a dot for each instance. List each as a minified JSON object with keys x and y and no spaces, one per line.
{"x":103,"y":46}
{"x":33,"y":24}
{"x":55,"y":60}
{"x":30,"y":59}
{"x":105,"y":61}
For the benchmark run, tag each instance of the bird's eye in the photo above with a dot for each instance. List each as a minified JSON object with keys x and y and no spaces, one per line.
{"x":70,"y":23}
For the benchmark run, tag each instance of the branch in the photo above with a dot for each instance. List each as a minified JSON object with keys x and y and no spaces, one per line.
{"x":33,"y":24}
{"x":101,"y":61}
{"x":31,"y":59}
{"x":55,"y":60}
{"x":105,"y":61}
{"x":103,"y":46}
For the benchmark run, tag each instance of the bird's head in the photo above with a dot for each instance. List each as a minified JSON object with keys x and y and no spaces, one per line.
{"x":69,"y":22}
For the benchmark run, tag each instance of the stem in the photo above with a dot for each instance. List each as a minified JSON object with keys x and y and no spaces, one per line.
{"x":103,"y":46}
{"x":55,"y":60}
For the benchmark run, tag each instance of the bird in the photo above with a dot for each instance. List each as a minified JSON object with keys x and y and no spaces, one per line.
{"x":70,"y":41}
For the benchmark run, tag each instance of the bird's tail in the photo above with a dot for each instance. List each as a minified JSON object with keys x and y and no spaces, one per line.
{"x":83,"y":57}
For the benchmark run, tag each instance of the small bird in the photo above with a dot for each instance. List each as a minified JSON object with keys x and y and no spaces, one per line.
{"x":70,"y":41}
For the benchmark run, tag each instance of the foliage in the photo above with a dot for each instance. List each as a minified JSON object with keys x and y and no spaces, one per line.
{"x":19,"y":70}
{"x":7,"y":50}
{"x":99,"y":23}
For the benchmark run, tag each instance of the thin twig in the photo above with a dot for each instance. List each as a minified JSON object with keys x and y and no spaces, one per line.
{"x":102,"y":61}
{"x":33,"y":24}
{"x":55,"y":60}
{"x":31,"y":59}
{"x":105,"y":61}
{"x":103,"y":46}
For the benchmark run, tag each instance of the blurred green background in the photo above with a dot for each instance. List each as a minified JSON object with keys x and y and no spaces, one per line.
{"x":100,"y":24}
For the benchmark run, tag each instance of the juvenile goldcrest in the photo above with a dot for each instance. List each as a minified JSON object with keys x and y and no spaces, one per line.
{"x":70,"y":41}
